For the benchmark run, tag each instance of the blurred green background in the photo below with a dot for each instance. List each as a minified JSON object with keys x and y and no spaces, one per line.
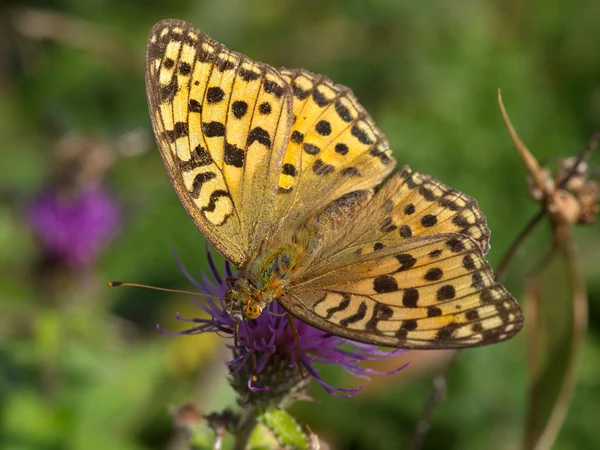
{"x":82,"y":366}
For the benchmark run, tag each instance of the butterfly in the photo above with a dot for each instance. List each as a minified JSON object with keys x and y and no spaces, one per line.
{"x":284,"y":173}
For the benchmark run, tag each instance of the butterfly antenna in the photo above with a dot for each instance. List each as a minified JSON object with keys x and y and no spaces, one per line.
{"x":155,"y":288}
{"x":297,"y":339}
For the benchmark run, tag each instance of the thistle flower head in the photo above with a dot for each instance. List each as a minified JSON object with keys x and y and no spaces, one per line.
{"x":276,"y":355}
{"x":74,"y":228}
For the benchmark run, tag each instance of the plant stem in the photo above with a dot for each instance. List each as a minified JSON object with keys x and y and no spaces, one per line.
{"x":436,"y":394}
{"x":245,"y":428}
{"x":518,"y":241}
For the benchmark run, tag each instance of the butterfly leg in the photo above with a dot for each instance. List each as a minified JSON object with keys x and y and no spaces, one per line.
{"x":253,"y":376}
{"x":249,"y":344}
{"x":235,"y":334}
{"x":297,"y":339}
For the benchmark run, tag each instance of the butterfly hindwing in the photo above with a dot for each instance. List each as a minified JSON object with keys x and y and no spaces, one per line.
{"x":431,"y":292}
{"x":373,"y":282}
{"x":409,"y":205}
{"x":222,"y":149}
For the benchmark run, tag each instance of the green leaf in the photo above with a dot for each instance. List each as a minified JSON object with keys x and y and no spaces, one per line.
{"x":285,"y":428}
{"x":202,"y":438}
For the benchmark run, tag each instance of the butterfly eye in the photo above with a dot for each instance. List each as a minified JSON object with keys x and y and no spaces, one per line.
{"x":252,"y":310}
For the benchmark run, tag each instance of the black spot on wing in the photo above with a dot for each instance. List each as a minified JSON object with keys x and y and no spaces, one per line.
{"x":260,"y":135}
{"x":167,"y":92}
{"x":472,"y":314}
{"x":340,"y":307}
{"x":405,"y":231}
{"x":460,"y":221}
{"x":321,"y":168}
{"x":433,"y":311}
{"x":356,"y":317}
{"x":387,"y":225}
{"x":455,"y":245}
{"x":289,"y":169}
{"x":214,"y":197}
{"x":323,"y":127}
{"x":213,"y":129}
{"x":319,"y":98}
{"x":311,"y":149}
{"x":350,"y":172}
{"x":341,"y":148}
{"x":199,"y":180}
{"x":427,"y":193}
{"x":264,"y":108}
{"x":184,"y":68}
{"x":435,"y":253}
{"x":468,"y":262}
{"x":239,"y":108}
{"x":224,"y":64}
{"x":406,"y":261}
{"x":343,"y":112}
{"x":199,"y":157}
{"x":447,"y":201}
{"x":300,"y":93}
{"x":248,"y":75}
{"x":233,"y":155}
{"x":194,"y":106}
{"x":428,"y":220}
{"x":297,"y":137}
{"x":215,"y":94}
{"x":446,"y":292}
{"x":410,"y":297}
{"x":385,"y":283}
{"x":477,"y":281}
{"x":378,"y":153}
{"x":180,"y":129}
{"x":361,"y":135}
{"x":434,"y":274}
{"x":380,"y":312}
{"x":447,"y":331}
{"x":271,"y":87}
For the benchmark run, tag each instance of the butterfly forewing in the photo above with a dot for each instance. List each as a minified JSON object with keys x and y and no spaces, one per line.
{"x":222,"y":152}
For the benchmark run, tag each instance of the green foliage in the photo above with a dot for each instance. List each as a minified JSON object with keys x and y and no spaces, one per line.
{"x":289,"y":434}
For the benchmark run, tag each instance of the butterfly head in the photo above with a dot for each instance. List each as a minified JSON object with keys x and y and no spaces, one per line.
{"x":244,"y":301}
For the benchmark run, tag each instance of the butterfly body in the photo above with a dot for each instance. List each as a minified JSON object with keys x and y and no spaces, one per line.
{"x":267,"y":278}
{"x":283,"y":172}
{"x":264,"y":283}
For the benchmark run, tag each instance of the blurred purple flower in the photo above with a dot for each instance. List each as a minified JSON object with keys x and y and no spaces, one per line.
{"x":276,"y":348}
{"x":73,"y":229}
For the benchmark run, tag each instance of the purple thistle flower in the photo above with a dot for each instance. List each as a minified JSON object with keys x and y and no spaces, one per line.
{"x":280,"y":355}
{"x":73,"y":229}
